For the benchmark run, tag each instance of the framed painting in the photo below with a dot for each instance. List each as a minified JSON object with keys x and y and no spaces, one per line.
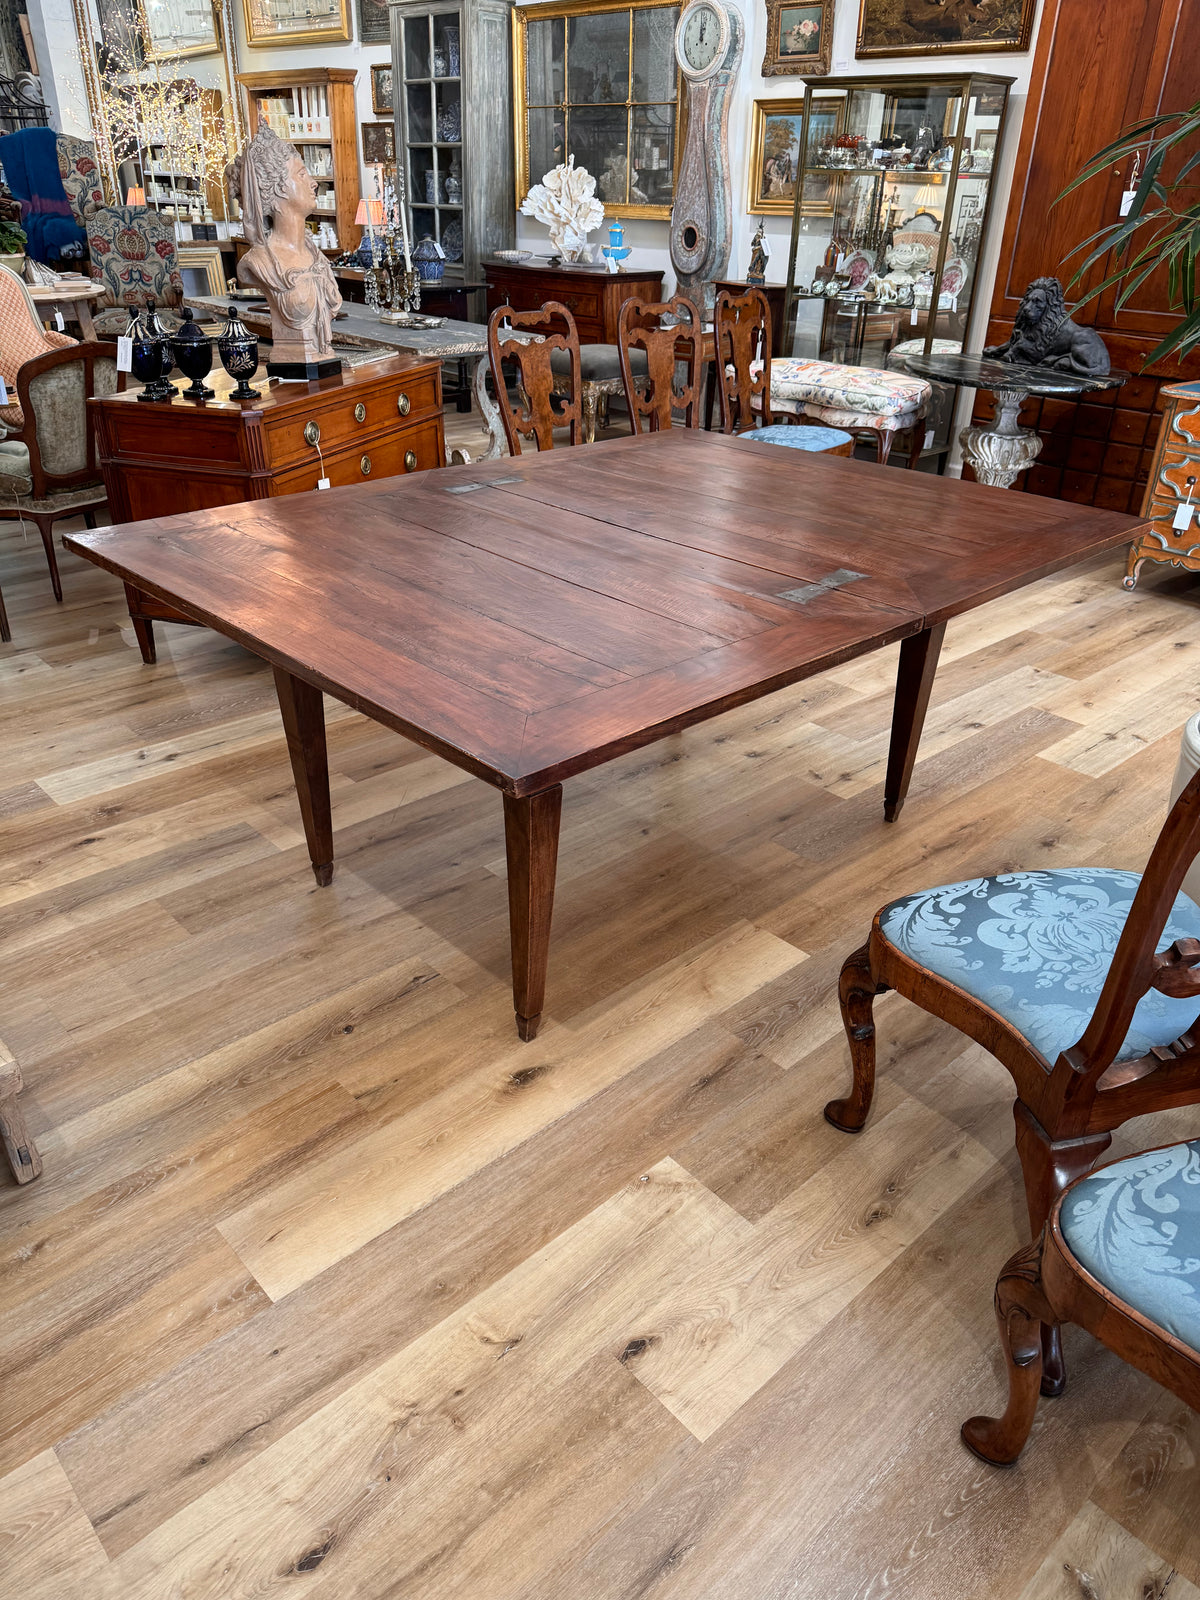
{"x":916,"y":28}
{"x":175,"y":28}
{"x":271,"y":22}
{"x":799,"y":39}
{"x":373,"y":22}
{"x":201,"y":268}
{"x":378,"y":143}
{"x":776,"y":135}
{"x":381,"y":90}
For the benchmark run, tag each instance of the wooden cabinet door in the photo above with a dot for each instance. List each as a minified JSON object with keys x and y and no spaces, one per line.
{"x":1100,"y":66}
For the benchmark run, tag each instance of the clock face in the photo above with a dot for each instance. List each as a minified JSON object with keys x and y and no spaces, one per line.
{"x":703,"y":36}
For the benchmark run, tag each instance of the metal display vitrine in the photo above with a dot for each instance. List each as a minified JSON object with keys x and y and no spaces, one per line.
{"x":451,"y":73}
{"x":891,"y":184}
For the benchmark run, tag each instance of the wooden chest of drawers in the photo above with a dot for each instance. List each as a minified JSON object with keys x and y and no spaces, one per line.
{"x":1174,"y":482}
{"x":592,"y":295}
{"x":158,"y":460}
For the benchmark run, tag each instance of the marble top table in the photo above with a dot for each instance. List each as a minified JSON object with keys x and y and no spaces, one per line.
{"x":1001,"y":450}
{"x":453,"y":341}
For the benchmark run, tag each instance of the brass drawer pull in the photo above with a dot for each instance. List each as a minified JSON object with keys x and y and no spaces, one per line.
{"x":360,"y":412}
{"x":403,"y":404}
{"x":312,"y":432}
{"x":365,"y":464}
{"x":410,"y":461}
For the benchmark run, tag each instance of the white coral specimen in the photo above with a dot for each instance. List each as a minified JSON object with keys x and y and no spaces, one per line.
{"x":565,"y":201}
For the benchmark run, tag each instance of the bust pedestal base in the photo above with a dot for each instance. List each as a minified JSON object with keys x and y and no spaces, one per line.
{"x":308,"y":370}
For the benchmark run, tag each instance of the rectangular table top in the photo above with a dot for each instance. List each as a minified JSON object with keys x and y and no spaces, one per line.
{"x":530,"y":618}
{"x":452,"y":340}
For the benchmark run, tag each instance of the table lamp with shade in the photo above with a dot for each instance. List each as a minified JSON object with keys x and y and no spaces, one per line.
{"x":135,"y":196}
{"x":370,"y":216}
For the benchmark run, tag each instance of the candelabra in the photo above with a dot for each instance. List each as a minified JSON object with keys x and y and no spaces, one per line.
{"x":402,"y":299}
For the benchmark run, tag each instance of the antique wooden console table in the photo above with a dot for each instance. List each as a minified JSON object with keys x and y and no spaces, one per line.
{"x":159,"y":458}
{"x":592,"y":295}
{"x":530,"y":619}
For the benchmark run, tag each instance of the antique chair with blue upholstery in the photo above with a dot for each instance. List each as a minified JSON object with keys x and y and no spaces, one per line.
{"x":1120,"y":1256}
{"x":742,"y":346}
{"x":1080,"y":981}
{"x":134,"y":257}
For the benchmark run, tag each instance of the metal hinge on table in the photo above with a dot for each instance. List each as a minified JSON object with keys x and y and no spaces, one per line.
{"x":812,"y":591}
{"x":469,"y":488}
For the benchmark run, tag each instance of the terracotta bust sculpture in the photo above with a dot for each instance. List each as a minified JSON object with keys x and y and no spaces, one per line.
{"x":277,"y":195}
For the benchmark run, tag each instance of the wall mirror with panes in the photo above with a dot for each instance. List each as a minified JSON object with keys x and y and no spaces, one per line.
{"x":599,"y":81}
{"x":891,"y":183}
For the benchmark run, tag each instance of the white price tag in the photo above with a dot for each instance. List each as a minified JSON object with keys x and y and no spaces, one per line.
{"x":913,"y":317}
{"x":59,"y":323}
{"x":928,"y":445}
{"x":1182,"y":520}
{"x":124,"y":354}
{"x":612,"y":265}
{"x":3,"y":392}
{"x":1127,"y":200}
{"x":322,"y":483}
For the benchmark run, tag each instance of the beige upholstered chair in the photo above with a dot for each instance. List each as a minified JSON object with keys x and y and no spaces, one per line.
{"x":52,"y":473}
{"x":22,"y":337}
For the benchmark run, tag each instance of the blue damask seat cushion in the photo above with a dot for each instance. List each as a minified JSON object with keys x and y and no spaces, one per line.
{"x":1135,"y":1225}
{"x":1036,"y":947}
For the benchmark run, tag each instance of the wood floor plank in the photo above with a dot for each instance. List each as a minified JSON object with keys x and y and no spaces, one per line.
{"x":500,"y":1365}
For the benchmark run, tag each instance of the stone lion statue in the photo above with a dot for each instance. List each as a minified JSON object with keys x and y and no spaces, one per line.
{"x":1044,"y":336}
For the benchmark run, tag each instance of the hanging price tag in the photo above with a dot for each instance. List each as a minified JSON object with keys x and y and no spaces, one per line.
{"x":1182,"y":519}
{"x":928,"y":445}
{"x":3,"y":392}
{"x":322,"y":483}
{"x":124,"y":355}
{"x":59,"y":323}
{"x":913,"y":317}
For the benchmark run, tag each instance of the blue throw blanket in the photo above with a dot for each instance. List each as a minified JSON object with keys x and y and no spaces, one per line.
{"x":30,"y":161}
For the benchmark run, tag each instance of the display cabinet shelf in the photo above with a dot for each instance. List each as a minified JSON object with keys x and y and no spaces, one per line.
{"x":313,"y":108}
{"x":892,"y":184}
{"x":450,"y":70}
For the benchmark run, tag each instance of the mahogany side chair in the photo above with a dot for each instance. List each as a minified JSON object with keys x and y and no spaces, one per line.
{"x":742,"y":340}
{"x":1081,"y":981}
{"x":1119,"y":1256}
{"x":653,"y":390}
{"x":540,"y":407}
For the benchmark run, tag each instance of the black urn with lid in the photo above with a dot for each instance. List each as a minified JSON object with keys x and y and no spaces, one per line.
{"x":238,"y":349}
{"x":193,"y":356}
{"x":149,"y":360}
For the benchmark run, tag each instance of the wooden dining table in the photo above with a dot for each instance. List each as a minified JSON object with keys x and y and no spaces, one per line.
{"x":532,"y":618}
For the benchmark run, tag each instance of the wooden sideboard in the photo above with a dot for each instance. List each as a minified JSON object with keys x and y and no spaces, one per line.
{"x":161,"y":459}
{"x":593,"y":295}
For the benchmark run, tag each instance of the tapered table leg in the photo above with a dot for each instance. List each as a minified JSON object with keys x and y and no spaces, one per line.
{"x":531,"y":842}
{"x":918,"y":663}
{"x":303,"y":712}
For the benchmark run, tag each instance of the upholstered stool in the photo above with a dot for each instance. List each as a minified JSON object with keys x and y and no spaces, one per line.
{"x":859,"y":399}
{"x":600,"y":375}
{"x":1036,"y":947}
{"x":822,"y":441}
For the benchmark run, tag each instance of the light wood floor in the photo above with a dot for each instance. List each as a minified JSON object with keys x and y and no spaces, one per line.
{"x":332,"y":1287}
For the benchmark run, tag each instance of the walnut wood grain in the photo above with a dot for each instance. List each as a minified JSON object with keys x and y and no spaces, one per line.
{"x":538,"y":409}
{"x":530,"y":619}
{"x":743,"y":334}
{"x":655,"y":399}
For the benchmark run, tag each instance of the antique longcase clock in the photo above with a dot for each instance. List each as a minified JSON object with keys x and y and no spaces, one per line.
{"x":708,"y":47}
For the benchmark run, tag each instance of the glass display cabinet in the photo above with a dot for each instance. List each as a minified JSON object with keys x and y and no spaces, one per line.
{"x":891,"y":184}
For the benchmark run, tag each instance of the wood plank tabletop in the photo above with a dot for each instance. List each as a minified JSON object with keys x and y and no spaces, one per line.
{"x":531,"y":618}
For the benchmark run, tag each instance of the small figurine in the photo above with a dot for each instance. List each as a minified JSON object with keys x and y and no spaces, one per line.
{"x":1044,"y":336}
{"x":756,"y":273}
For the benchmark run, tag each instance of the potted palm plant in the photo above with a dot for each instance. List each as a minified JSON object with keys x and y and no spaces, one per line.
{"x":1159,"y":229}
{"x":12,"y":245}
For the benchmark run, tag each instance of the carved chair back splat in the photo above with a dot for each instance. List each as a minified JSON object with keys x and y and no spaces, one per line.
{"x":539,"y":410}
{"x":742,"y":336}
{"x":656,"y":396}
{"x":1066,"y":1108}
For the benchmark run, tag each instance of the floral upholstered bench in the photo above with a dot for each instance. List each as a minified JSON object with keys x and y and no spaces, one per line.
{"x":862,"y":400}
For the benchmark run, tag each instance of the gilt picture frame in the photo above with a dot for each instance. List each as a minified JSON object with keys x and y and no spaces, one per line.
{"x":776,"y":140}
{"x":916,"y":28}
{"x":799,"y":39}
{"x":274,"y":22}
